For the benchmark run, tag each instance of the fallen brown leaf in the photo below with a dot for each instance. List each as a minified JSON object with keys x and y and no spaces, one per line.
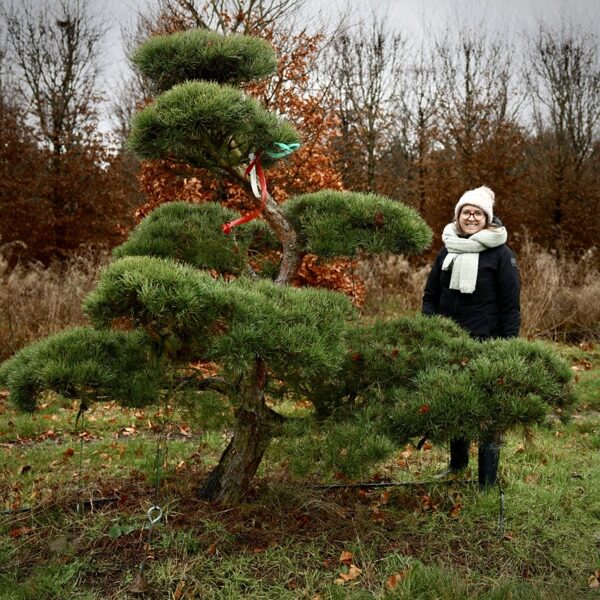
{"x":19,"y":531}
{"x":395,"y":579}
{"x":352,"y":574}
{"x":179,"y":590}
{"x":532,"y":478}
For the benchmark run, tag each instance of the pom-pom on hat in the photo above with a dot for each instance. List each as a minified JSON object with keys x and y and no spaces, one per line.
{"x":481,"y":197}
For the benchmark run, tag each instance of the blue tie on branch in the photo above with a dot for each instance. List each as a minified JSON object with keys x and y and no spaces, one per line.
{"x":285,"y":150}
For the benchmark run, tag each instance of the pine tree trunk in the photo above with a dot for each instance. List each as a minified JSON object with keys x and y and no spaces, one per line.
{"x":255,"y":426}
{"x":292,"y":253}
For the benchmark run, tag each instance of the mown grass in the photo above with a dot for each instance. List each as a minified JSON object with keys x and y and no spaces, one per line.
{"x":425,"y":541}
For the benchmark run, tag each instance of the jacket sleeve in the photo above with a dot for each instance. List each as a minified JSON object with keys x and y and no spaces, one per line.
{"x":509,"y":295}
{"x":433,"y":289}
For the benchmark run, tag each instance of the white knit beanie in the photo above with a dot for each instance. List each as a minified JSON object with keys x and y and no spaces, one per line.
{"x":481,"y":197}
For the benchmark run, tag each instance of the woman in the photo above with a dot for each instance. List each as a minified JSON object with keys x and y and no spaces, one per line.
{"x":475,"y":282}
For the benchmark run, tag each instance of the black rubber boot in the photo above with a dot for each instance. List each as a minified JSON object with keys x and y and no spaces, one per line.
{"x":459,"y":454}
{"x":489,"y":457}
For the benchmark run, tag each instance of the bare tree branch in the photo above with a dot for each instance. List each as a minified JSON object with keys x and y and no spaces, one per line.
{"x":367,"y":64}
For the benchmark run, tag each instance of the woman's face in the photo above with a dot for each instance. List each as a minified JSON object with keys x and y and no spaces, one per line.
{"x":471,"y":219}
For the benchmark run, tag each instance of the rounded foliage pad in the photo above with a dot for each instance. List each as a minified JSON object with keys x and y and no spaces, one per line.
{"x":298,"y":332}
{"x":333,"y":224}
{"x":191,"y":234}
{"x":84,"y":363}
{"x":204,"y":55}
{"x":207,"y":125}
{"x":382,"y":356}
{"x":504,"y":384}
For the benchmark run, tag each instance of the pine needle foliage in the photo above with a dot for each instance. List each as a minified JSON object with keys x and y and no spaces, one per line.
{"x":300,"y":333}
{"x":207,"y":125}
{"x":424,"y":376}
{"x":386,"y":355}
{"x":210,"y":410}
{"x":199,"y":54}
{"x":342,"y":224}
{"x":85,"y":363}
{"x":506,"y":384}
{"x":191,"y":234}
{"x":552,"y":377}
{"x":350,"y":447}
{"x":166,"y":297}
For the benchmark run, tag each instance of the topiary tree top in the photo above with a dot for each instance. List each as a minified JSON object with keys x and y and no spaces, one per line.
{"x":201,"y":122}
{"x":181,"y":289}
{"x":204,"y":55}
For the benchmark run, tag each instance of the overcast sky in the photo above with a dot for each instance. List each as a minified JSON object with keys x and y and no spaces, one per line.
{"x":417,"y":18}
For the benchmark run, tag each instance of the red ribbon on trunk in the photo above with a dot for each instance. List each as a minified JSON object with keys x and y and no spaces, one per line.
{"x":254,"y":164}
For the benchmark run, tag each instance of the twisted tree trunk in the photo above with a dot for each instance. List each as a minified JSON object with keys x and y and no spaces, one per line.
{"x":255,"y":423}
{"x":292,"y":253}
{"x":255,"y":426}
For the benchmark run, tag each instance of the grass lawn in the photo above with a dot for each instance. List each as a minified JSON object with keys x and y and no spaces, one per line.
{"x":428,"y":540}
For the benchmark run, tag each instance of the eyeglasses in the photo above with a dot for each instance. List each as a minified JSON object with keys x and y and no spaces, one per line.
{"x":467,"y":214}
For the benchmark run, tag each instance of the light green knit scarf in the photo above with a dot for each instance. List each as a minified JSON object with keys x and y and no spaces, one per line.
{"x":463,"y":254}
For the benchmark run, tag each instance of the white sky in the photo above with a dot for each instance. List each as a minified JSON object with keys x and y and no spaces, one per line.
{"x":417,"y":18}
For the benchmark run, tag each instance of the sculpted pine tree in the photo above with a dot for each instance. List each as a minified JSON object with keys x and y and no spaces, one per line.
{"x":199,"y":118}
{"x":198,"y":282}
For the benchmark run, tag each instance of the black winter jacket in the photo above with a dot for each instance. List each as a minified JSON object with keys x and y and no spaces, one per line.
{"x":493,"y":309}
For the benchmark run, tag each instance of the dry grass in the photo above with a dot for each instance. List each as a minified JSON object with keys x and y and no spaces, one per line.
{"x":559,"y":299}
{"x":559,"y":295}
{"x":392,"y":283}
{"x":36,"y":301}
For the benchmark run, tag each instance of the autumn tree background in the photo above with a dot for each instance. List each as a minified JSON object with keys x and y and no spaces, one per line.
{"x":65,"y":187}
{"x":426,"y":121}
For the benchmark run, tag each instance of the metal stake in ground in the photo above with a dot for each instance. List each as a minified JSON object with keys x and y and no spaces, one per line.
{"x":155,"y":512}
{"x":80,"y":419}
{"x":501,"y":515}
{"x":140,"y":584}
